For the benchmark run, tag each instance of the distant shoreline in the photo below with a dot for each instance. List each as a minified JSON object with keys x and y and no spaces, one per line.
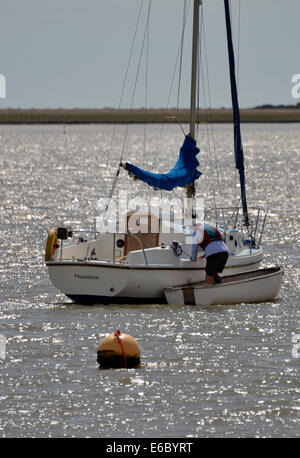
{"x":136,"y":116}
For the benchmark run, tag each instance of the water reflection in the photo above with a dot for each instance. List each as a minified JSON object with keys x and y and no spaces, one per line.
{"x":206,"y":371}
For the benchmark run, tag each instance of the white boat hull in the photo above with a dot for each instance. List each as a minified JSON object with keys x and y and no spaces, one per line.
{"x":108,"y":282}
{"x":255,"y":286}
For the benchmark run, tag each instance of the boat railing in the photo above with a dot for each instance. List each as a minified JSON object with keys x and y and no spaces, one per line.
{"x":69,"y":233}
{"x":227,"y":218}
{"x":232,"y":217}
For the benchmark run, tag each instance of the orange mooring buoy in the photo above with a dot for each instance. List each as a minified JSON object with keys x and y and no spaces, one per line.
{"x":118,"y":350}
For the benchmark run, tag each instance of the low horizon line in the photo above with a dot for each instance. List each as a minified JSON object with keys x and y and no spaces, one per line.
{"x":107,"y":108}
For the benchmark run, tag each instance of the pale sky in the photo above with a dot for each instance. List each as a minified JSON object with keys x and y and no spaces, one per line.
{"x":73,"y":53}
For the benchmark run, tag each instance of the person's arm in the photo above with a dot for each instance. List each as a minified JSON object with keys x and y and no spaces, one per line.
{"x":194,"y":252}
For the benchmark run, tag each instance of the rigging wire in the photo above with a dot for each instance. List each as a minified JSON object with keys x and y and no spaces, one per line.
{"x":146,"y":87}
{"x":236,"y":198}
{"x":210,"y":110}
{"x":209,"y":145}
{"x":237,"y":69}
{"x":131,"y":105}
{"x":125,"y":80}
{"x":136,"y":78}
{"x":209,"y":124}
{"x":181,"y":54}
{"x":238,"y":44}
{"x":185,"y":16}
{"x":199,"y":70}
{"x":115,"y":179}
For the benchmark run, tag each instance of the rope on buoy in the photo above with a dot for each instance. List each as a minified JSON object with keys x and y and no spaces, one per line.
{"x":118,"y":350}
{"x":117,"y":334}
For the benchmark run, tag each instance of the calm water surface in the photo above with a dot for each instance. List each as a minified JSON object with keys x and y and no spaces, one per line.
{"x":223,"y":371}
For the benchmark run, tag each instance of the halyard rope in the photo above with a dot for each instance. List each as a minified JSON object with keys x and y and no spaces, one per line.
{"x":117,"y":334}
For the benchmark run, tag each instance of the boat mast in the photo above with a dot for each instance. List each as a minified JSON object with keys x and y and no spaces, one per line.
{"x":191,"y":191}
{"x":238,"y":147}
{"x":194,"y":68}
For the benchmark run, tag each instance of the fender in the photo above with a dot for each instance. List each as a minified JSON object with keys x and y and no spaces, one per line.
{"x":52,"y":244}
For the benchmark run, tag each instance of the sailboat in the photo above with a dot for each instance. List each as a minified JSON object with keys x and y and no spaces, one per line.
{"x":129,"y":266}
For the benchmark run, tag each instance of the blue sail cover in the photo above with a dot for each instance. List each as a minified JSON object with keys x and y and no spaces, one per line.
{"x":183,"y":173}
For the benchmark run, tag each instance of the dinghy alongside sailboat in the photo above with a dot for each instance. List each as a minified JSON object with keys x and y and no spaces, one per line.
{"x":127,"y":266}
{"x":254,"y":286}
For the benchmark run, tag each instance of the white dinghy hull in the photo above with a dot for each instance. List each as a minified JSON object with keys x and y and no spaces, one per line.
{"x":254,"y":286}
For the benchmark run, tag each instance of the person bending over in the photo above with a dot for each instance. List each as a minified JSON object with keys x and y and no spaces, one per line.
{"x":215,"y":251}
